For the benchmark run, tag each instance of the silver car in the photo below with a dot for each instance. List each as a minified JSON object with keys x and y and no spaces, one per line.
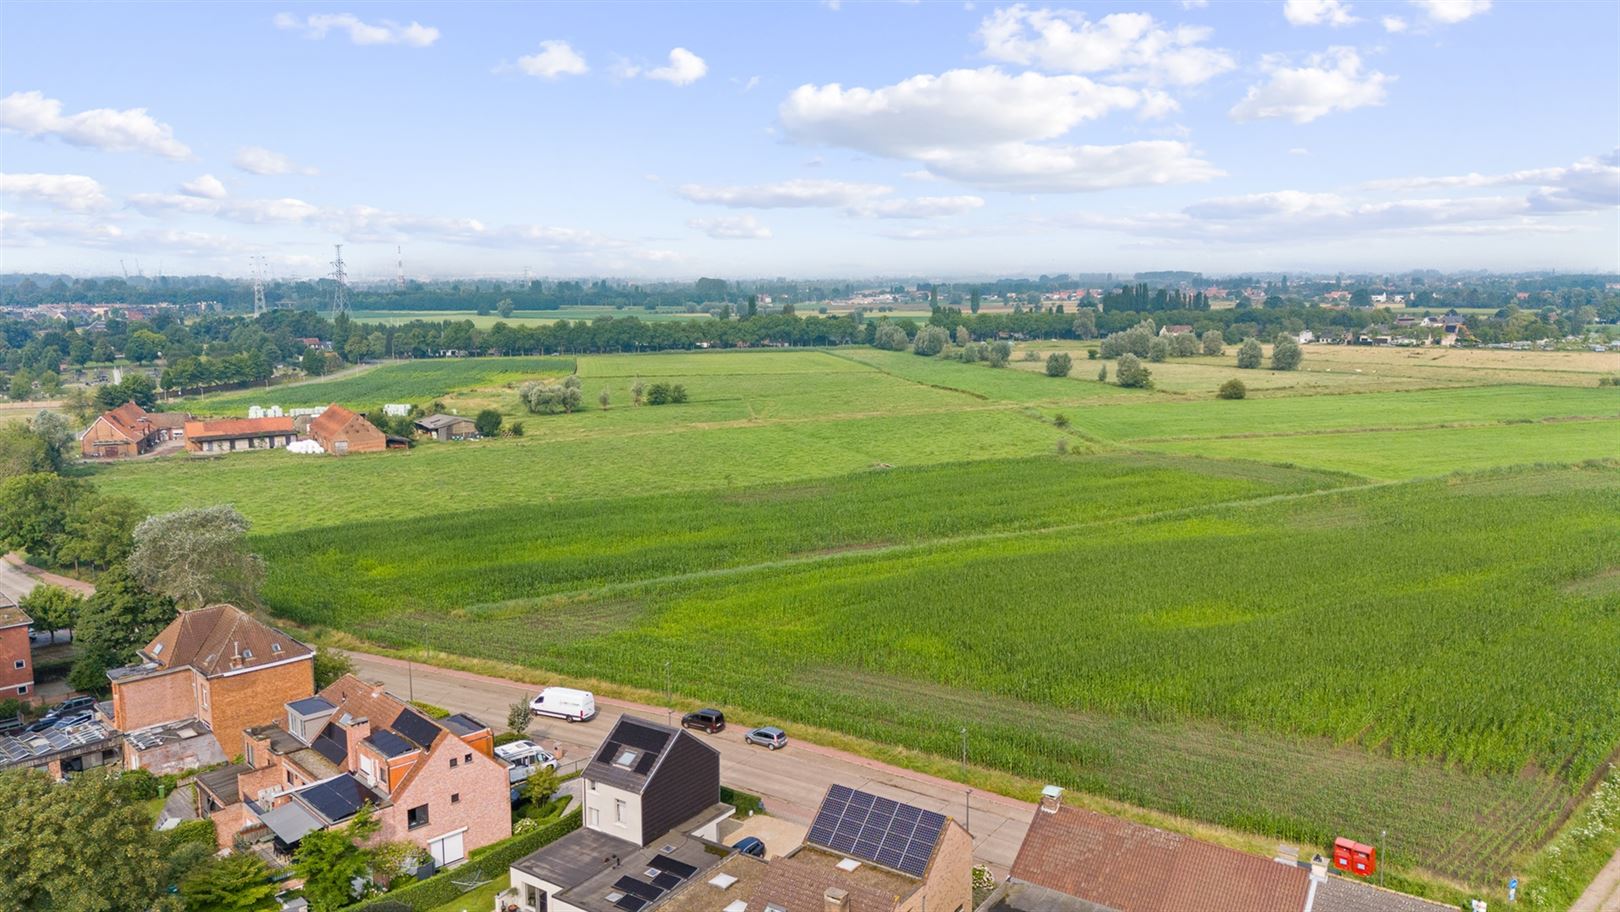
{"x":770,"y":736}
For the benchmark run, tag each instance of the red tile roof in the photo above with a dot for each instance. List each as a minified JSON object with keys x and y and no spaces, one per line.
{"x":1136,"y":868}
{"x":237,"y":427}
{"x":330,"y":421}
{"x":211,"y":639}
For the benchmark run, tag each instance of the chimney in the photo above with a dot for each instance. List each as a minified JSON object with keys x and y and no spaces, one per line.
{"x":1051,"y":799}
{"x":1318,"y":867}
{"x":236,"y":654}
{"x":835,"y":900}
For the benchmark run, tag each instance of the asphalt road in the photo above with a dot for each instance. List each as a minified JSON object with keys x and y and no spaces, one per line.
{"x":14,"y":584}
{"x":1604,"y":893}
{"x":791,"y":781}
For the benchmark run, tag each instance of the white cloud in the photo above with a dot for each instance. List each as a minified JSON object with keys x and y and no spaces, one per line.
{"x":1131,"y":47}
{"x":1450,"y":12}
{"x":74,"y":192}
{"x":1194,"y":4}
{"x":556,"y":58}
{"x":731,"y":227}
{"x":991,"y":129}
{"x":1328,"y":82}
{"x":1299,"y":150}
{"x":855,"y":199}
{"x":1393,"y":24}
{"x":207,"y":186}
{"x":1589,"y":183}
{"x":684,"y":68}
{"x":131,"y":130}
{"x":384,"y":32}
{"x":1318,"y":12}
{"x":751,"y":84}
{"x":258,"y":160}
{"x":17,"y":231}
{"x":246,"y":211}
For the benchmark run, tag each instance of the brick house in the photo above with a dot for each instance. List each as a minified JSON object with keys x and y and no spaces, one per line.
{"x":1074,"y":860}
{"x":226,"y":435}
{"x":129,"y":430}
{"x":433,"y":782}
{"x":341,"y":432}
{"x":16,"y":653}
{"x":218,"y":666}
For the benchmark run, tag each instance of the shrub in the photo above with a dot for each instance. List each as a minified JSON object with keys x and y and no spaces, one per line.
{"x":430,"y":710}
{"x":1249,"y":353}
{"x":1184,"y":345}
{"x":889,"y":337}
{"x":930,"y":341}
{"x":963,"y":337}
{"x":1063,"y":446}
{"x":1058,"y":364}
{"x":515,"y":429}
{"x":742,"y":801}
{"x":1133,"y":373}
{"x":1232,"y":389}
{"x":1102,"y":374}
{"x":1159,"y":350}
{"x":998,"y":353}
{"x":492,"y":860}
{"x":1060,"y":420}
{"x":488,"y":422}
{"x":1286,"y":355}
{"x":1214,"y":342}
{"x":1031,"y":355}
{"x":1091,"y":354}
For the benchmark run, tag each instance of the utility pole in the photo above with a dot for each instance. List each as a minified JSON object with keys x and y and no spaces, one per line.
{"x":967,"y":802}
{"x":340,"y":290}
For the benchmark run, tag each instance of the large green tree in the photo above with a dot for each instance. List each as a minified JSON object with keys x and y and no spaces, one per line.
{"x":34,"y":510}
{"x":76,"y":845}
{"x":22,"y":452}
{"x":330,"y":860}
{"x":119,"y":618}
{"x":1249,"y":354}
{"x":235,"y":883}
{"x":53,"y":608}
{"x":197,"y":556}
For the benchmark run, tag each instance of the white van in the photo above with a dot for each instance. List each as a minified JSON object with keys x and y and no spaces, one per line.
{"x":565,"y":703}
{"x":523,"y":758}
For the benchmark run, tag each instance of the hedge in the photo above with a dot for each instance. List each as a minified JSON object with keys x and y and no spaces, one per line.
{"x":742,"y":801}
{"x":494,"y":859}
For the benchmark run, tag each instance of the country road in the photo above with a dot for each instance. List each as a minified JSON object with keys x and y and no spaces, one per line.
{"x":1604,"y":893}
{"x":17,"y":579}
{"x":791,"y":781}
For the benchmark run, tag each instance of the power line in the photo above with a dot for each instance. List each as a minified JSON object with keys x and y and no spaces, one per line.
{"x":340,"y":279}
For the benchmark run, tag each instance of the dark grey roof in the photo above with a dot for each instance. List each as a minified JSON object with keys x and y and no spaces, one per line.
{"x":462,"y":724}
{"x":389,"y":744}
{"x":336,"y":800}
{"x":1017,"y":896}
{"x":222,"y":782}
{"x":640,"y":745}
{"x":575,"y":858}
{"x":434,"y":422}
{"x":310,"y":706}
{"x":281,"y":740}
{"x":649,"y":874}
{"x":1341,"y":894}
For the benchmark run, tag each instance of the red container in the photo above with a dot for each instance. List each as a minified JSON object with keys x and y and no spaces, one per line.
{"x":1354,"y":858}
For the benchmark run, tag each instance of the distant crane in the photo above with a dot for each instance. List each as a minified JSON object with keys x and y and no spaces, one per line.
{"x":258,"y":286}
{"x":340,"y":279}
{"x":123,"y":267}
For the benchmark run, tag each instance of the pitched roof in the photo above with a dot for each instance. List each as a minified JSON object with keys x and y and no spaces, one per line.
{"x":213,"y":639}
{"x":1136,"y":868}
{"x":1340,"y":894}
{"x":12,"y":616}
{"x":434,"y":422}
{"x":631,"y":753}
{"x":126,"y":420}
{"x":329,"y":422}
{"x":237,"y":427}
{"x":355,"y":699}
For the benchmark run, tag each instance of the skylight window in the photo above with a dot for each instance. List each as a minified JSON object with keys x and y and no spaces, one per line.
{"x":626,"y":758}
{"x":848,"y":864}
{"x":738,"y":906}
{"x":723,"y":881}
{"x":157,"y":649}
{"x":614,"y":896}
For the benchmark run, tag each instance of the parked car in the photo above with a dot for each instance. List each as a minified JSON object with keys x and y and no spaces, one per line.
{"x":74,"y":719}
{"x":45,"y":724}
{"x":709,"y":720}
{"x":75,"y":705}
{"x":770,"y":736}
{"x":750,"y":845}
{"x":565,"y":703}
{"x":523,"y":758}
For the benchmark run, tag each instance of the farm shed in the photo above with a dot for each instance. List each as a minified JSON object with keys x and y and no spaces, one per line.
{"x":447,"y":427}
{"x":340,"y":432}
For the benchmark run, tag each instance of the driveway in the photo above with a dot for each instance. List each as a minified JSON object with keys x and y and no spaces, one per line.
{"x":791,"y":781}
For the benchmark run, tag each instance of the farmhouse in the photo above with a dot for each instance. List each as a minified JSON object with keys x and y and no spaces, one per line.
{"x":447,"y":427}
{"x":340,"y":432}
{"x":1175,"y":329}
{"x":202,"y":679}
{"x":434,"y":783}
{"x":16,"y":652}
{"x":1074,"y":860}
{"x":227,"y":435}
{"x":129,"y":430}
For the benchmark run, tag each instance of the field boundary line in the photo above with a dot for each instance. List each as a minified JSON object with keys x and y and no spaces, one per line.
{"x":1459,"y":425}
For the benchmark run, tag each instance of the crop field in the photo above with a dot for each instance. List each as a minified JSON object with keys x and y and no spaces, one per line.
{"x":1344,"y":605}
{"x":521,"y":317}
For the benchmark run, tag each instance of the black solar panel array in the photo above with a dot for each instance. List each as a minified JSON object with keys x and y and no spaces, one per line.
{"x":416,"y":727}
{"x":880,"y":830}
{"x":390,"y":744}
{"x":330,"y":744}
{"x":641,"y":737}
{"x":672,"y":866}
{"x":336,"y":799}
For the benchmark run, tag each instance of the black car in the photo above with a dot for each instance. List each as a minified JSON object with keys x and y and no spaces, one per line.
{"x":709,"y":720}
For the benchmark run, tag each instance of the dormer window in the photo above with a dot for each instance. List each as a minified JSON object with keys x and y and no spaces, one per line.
{"x":247,"y":653}
{"x":626,"y":759}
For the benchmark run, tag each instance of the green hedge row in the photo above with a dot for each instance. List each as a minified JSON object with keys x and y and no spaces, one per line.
{"x":742,"y":801}
{"x":494,"y":860}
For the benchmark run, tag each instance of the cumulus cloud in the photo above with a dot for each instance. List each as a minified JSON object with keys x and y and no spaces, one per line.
{"x":246,"y":211}
{"x":855,"y":199}
{"x":259,"y":160}
{"x":1129,"y":47}
{"x":992,"y":129}
{"x":556,"y":58}
{"x":1393,"y":24}
{"x":19,"y":231}
{"x":130,"y":130}
{"x":206,"y":186}
{"x":1451,"y":12}
{"x":1327,"y":82}
{"x":731,"y":227}
{"x":73,"y":192}
{"x":684,"y":68}
{"x":1318,"y":12}
{"x":1592,"y":182}
{"x":318,"y":25}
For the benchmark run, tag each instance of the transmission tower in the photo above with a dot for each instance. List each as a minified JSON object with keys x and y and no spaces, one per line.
{"x":258,"y":286}
{"x":340,"y":288}
{"x":399,"y":272}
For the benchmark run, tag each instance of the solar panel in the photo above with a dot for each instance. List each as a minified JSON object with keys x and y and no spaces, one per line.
{"x":605,"y":755}
{"x":630,"y":903}
{"x":641,"y":737}
{"x":330,"y":744}
{"x":666,"y":881}
{"x":672,"y":866}
{"x":336,"y":799}
{"x":390,"y":744}
{"x":880,"y":830}
{"x":416,"y":727}
{"x":646,"y":763}
{"x":638,"y":888}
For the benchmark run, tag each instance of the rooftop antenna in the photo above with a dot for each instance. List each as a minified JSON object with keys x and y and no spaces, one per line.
{"x":399,"y":273}
{"x":340,"y":290}
{"x":258,"y":286}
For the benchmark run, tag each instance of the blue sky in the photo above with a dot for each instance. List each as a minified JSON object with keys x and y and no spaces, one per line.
{"x":944,"y":139}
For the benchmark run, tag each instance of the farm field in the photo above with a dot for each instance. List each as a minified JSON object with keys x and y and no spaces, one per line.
{"x":1282,"y":614}
{"x":520,"y":317}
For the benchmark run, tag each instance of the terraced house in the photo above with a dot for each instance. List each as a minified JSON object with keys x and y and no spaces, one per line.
{"x":432,"y":782}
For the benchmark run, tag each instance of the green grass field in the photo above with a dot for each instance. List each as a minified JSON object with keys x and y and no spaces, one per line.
{"x":521,"y":317}
{"x":1284,"y":614}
